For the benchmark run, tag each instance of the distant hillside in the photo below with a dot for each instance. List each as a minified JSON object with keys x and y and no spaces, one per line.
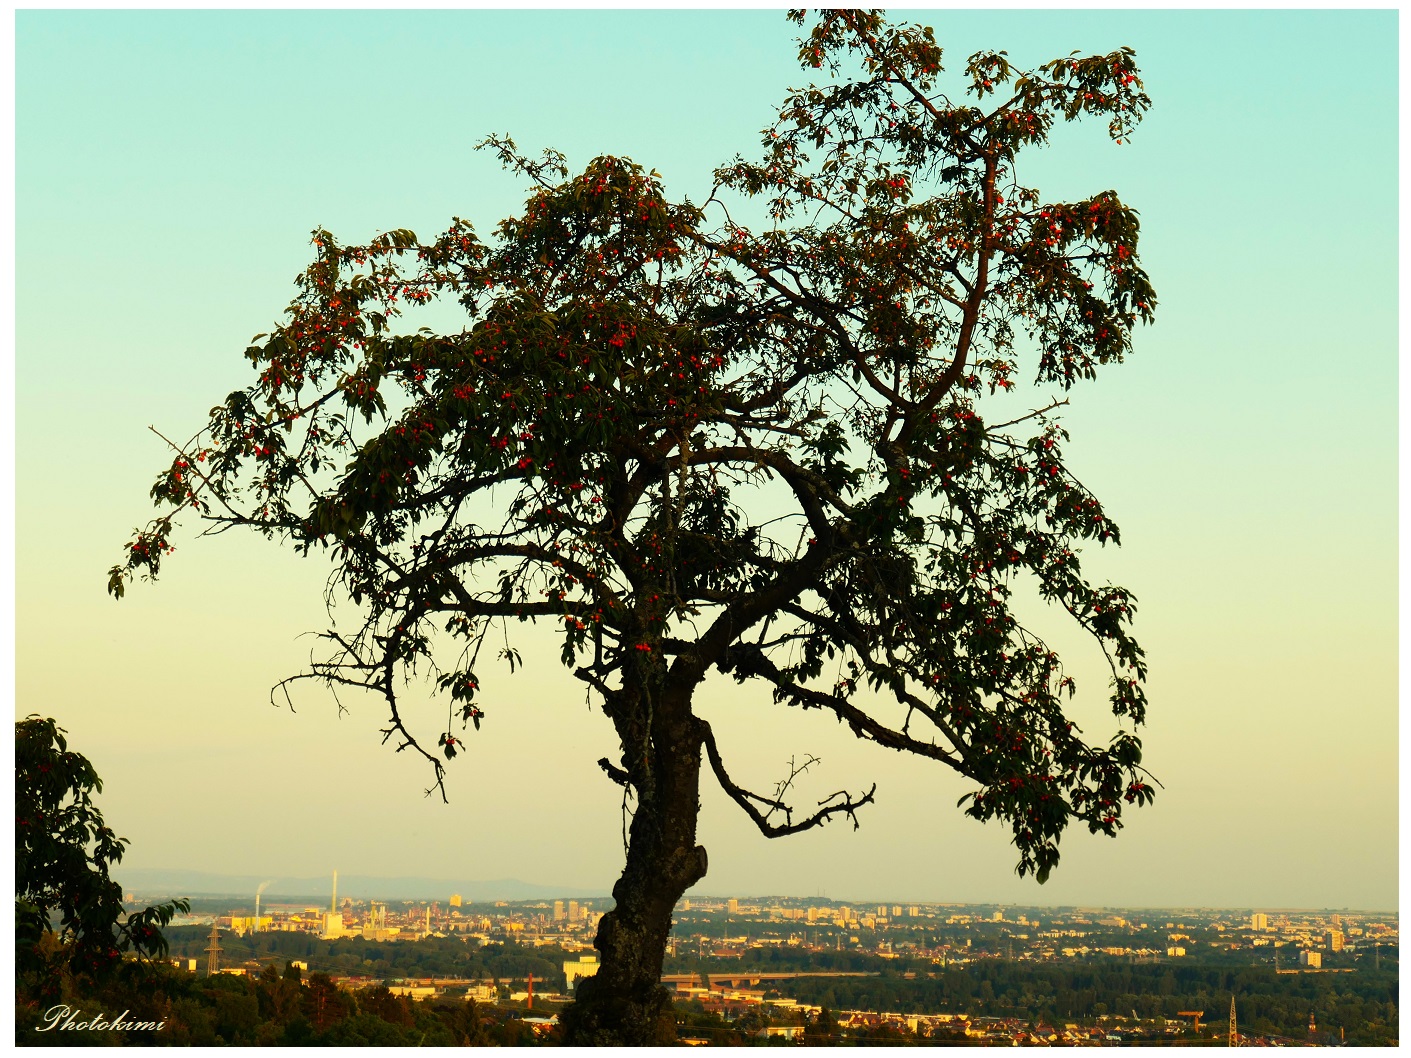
{"x":164,"y":883}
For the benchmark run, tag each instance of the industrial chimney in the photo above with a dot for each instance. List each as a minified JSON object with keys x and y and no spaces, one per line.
{"x":334,"y":908}
{"x":263,"y":886}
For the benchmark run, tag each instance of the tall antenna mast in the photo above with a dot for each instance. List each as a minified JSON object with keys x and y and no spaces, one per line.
{"x":1234,"y":1036}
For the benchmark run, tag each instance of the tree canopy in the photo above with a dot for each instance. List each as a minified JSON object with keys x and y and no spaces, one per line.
{"x":782,"y":452}
{"x":63,"y":852}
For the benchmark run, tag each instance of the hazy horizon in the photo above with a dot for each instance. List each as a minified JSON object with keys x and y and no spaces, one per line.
{"x":271,"y":894}
{"x":169,"y":167}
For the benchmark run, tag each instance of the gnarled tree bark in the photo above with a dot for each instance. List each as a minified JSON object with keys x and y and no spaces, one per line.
{"x":625,"y":1002}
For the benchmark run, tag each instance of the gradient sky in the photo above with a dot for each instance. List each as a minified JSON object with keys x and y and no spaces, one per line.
{"x":169,"y":166}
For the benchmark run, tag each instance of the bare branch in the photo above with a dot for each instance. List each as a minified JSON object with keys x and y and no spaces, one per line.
{"x":839,"y":803}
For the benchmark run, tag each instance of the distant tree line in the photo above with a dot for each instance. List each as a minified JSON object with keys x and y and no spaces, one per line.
{"x":384,"y":960}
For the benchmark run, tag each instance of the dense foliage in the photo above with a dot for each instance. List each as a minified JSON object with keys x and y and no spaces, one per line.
{"x":271,"y":1009}
{"x":69,"y":915}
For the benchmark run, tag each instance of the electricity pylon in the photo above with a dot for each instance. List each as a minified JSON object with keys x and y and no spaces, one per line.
{"x":213,"y":951}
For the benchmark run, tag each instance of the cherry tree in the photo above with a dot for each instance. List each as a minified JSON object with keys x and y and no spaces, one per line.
{"x":636,"y":376}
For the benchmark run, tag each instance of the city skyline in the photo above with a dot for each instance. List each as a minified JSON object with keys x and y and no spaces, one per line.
{"x":1255,"y":481}
{"x":1003,"y":974}
{"x":447,"y":891}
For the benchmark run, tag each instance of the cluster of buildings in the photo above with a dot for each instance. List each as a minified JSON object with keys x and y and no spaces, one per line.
{"x":566,"y":923}
{"x":948,"y":934}
{"x":1291,"y":941}
{"x":983,"y":1031}
{"x":728,"y":940}
{"x":1315,"y":938}
{"x":840,"y":915}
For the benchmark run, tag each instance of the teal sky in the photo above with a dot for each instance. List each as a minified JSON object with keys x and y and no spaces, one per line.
{"x":169,"y":167}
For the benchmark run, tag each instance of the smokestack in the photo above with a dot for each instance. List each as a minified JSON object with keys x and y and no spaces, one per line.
{"x":263,"y":886}
{"x":334,"y":909}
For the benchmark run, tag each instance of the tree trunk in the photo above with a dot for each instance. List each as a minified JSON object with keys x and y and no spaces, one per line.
{"x":625,"y":1002}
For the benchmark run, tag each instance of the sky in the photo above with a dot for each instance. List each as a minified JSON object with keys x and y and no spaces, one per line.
{"x":169,"y":167}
